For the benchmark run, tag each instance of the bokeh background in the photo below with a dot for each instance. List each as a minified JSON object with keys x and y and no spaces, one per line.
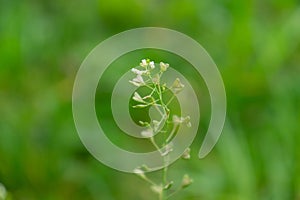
{"x":256,"y":45}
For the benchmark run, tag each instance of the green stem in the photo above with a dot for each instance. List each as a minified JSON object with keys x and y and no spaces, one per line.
{"x":164,"y":115}
{"x":176,"y":191}
{"x":171,"y":99}
{"x":155,"y":145}
{"x":165,"y":170}
{"x":161,"y":195}
{"x":172,"y":133}
{"x":148,"y":180}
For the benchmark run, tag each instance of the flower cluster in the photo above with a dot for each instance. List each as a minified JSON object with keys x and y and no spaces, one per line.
{"x":148,"y":74}
{"x":147,"y":66}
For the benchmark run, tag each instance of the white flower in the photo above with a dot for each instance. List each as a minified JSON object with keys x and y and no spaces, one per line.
{"x":138,"y":81}
{"x":186,"y":154}
{"x":152,"y":65}
{"x":179,"y":120}
{"x":167,"y":149}
{"x":138,"y":98}
{"x":163,"y":66}
{"x":138,"y":72}
{"x":155,"y":125}
{"x":144,"y":63}
{"x":147,"y":133}
{"x":177,"y":85}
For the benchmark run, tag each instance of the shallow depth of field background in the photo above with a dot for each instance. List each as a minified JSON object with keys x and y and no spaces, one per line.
{"x":256,"y":45}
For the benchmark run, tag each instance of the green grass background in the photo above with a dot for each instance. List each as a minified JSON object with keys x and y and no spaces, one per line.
{"x":256,"y":45}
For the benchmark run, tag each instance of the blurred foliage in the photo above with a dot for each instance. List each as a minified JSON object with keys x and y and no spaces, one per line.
{"x":256,"y":45}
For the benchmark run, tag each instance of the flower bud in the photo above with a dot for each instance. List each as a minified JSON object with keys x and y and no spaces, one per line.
{"x":152,"y":65}
{"x":138,"y":98}
{"x":144,"y":63}
{"x":186,"y":181}
{"x":186,"y":154}
{"x":177,"y":85}
{"x":163,"y":66}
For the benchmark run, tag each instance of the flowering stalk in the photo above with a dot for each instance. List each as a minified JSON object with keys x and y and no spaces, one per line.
{"x":150,"y":77}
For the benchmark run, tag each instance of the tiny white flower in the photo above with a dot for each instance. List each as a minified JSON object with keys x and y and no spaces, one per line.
{"x":156,"y":79}
{"x":187,"y":121}
{"x":152,"y":65}
{"x":186,"y":154}
{"x":138,"y":81}
{"x":155,"y":125}
{"x":147,"y":133}
{"x":167,"y":149}
{"x":138,"y":98}
{"x":144,"y":63}
{"x":138,"y":72}
{"x":163,"y":66}
{"x":177,"y":86}
{"x":179,"y":120}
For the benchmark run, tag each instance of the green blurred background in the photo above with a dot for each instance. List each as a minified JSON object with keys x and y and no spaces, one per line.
{"x":256,"y":45}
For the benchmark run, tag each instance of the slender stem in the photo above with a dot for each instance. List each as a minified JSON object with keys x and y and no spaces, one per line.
{"x":166,"y":160}
{"x":153,"y":90}
{"x":161,"y":195}
{"x":160,"y":96}
{"x":161,"y":120}
{"x":176,"y":191}
{"x":172,"y":133}
{"x":148,"y":87}
{"x":171,"y":99}
{"x":155,"y":145}
{"x":165,"y":170}
{"x":156,"y":107}
{"x":148,"y":180}
{"x":164,"y":115}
